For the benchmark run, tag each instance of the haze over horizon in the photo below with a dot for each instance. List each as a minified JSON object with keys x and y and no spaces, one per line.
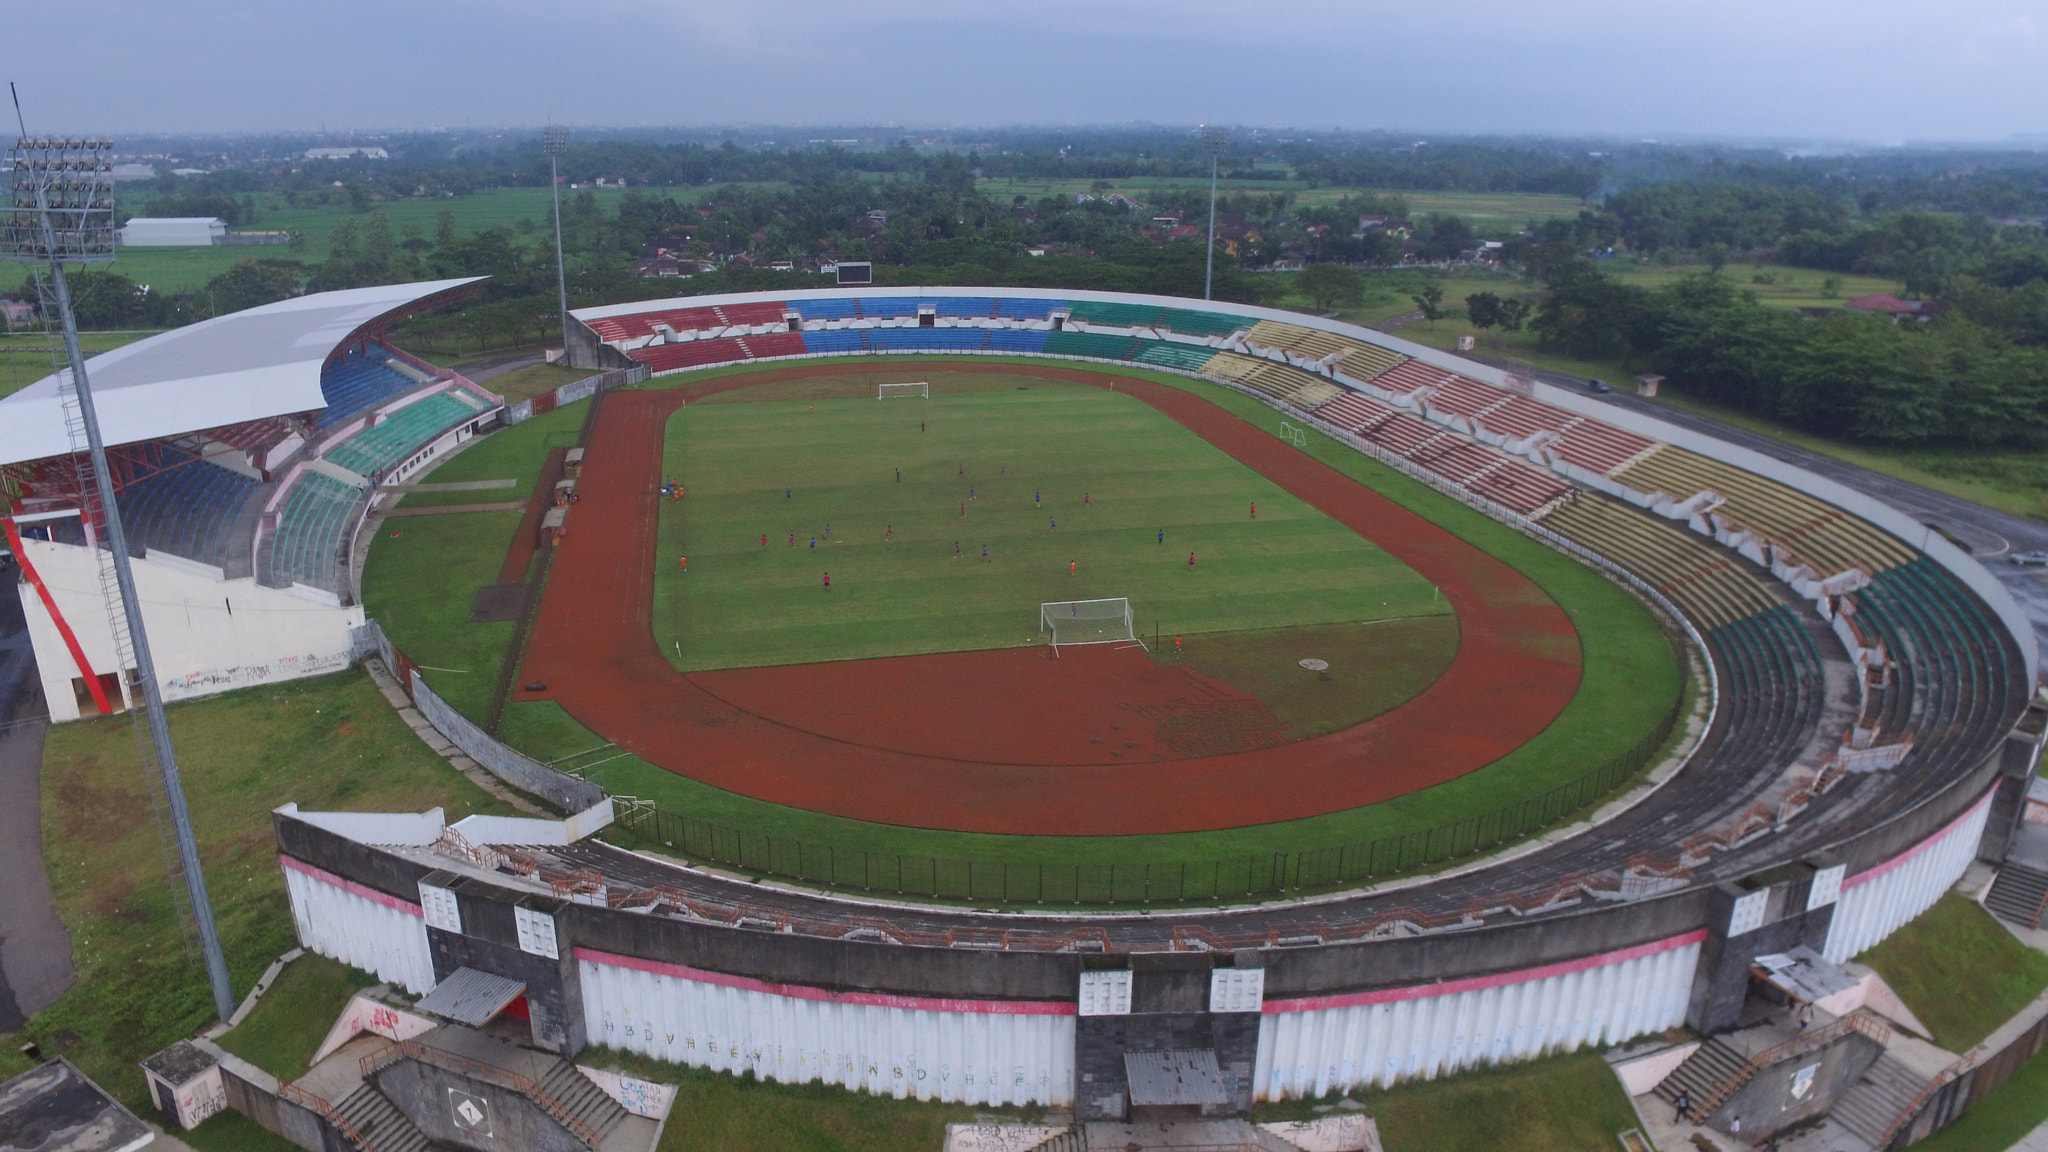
{"x":1876,"y":71}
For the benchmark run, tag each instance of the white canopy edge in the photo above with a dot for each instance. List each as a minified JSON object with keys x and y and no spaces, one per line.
{"x":244,"y":366}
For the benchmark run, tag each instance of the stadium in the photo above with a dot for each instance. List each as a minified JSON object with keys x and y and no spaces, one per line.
{"x":1661,"y":707}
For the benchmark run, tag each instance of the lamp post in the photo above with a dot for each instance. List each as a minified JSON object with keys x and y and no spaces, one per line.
{"x":1213,"y":140}
{"x":59,"y":210}
{"x":555,"y":141}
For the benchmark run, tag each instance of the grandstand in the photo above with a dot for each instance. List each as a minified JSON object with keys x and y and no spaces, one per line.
{"x":243,"y":451}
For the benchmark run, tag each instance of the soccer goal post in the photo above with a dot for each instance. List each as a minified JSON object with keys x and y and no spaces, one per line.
{"x":920,"y":389}
{"x":1297,"y":436}
{"x":1087,"y":622}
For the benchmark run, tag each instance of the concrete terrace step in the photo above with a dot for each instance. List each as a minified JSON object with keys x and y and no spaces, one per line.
{"x":1703,"y":1073}
{"x":2018,"y":894}
{"x":583,"y":1100}
{"x":381,"y":1125}
{"x":1874,"y":1101}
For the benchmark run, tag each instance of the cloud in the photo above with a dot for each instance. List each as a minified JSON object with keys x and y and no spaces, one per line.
{"x":1751,"y":68}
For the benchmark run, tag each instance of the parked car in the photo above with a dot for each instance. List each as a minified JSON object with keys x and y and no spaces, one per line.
{"x":1599,"y":386}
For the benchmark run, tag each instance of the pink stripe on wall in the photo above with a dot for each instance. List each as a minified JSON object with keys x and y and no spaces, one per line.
{"x":367,"y":893}
{"x":1917,"y":849}
{"x":802,"y":992}
{"x":1474,"y":983}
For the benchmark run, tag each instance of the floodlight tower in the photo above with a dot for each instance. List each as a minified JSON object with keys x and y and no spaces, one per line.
{"x":59,"y":210}
{"x":1213,"y":140}
{"x":555,"y":141}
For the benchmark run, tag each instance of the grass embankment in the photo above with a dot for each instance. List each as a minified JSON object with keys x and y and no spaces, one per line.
{"x":1960,"y":971}
{"x":898,"y":500}
{"x":533,"y":380}
{"x":2001,"y":1119}
{"x":326,"y":743}
{"x":286,"y":1027}
{"x":1560,"y":1104}
{"x":1630,"y":680}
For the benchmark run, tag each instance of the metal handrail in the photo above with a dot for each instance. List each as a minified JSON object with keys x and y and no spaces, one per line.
{"x":1805,"y":1041}
{"x":304,"y":1099}
{"x":463,"y":1065}
{"x":1911,"y":1111}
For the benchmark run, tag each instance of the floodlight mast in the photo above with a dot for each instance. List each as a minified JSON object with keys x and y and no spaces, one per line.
{"x":555,"y":142}
{"x":61,"y":209}
{"x":1213,"y":140}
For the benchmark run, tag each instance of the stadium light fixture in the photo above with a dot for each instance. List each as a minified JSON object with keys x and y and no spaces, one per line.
{"x":1213,"y":141}
{"x":555,"y":142}
{"x":59,"y":210}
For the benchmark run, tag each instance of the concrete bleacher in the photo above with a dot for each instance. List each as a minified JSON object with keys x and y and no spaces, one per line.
{"x":1095,"y":345}
{"x":1017,"y":339}
{"x":771,"y":344}
{"x":378,"y":447}
{"x":1188,"y":357}
{"x":928,"y":339}
{"x":1773,"y":686}
{"x":356,"y":383}
{"x":836,"y":340}
{"x":1026,"y":309}
{"x":312,"y":524}
{"x":1287,"y":385}
{"x":1813,"y":533}
{"x":1708,"y":584}
{"x":188,"y":510}
{"x":690,"y":354}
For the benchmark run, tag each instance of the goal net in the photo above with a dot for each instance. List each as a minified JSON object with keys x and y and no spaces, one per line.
{"x":920,"y":389}
{"x":1087,"y":622}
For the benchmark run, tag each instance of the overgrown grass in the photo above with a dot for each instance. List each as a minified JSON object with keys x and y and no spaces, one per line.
{"x":719,"y":1112}
{"x":1560,"y":1104}
{"x":285,"y":1028}
{"x":534,"y":379}
{"x":419,"y":582}
{"x":230,"y":1131}
{"x":326,"y":743}
{"x":1960,"y":971}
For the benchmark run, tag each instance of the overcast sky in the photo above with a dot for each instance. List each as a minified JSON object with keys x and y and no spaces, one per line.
{"x":1868,"y":70}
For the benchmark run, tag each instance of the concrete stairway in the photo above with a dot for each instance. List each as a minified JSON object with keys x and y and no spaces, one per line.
{"x":379,"y":1123}
{"x":583,"y":1101}
{"x":1182,"y":1136}
{"x":1702,"y":1074}
{"x":1874,"y":1101}
{"x":2018,"y":895}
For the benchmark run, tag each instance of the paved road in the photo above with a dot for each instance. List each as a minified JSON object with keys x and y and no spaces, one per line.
{"x":1989,"y":535}
{"x":35,"y":948}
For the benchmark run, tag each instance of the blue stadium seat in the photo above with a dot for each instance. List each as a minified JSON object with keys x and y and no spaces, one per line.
{"x":836,"y":340}
{"x":186,"y":510}
{"x":826,"y":309}
{"x":356,"y":383}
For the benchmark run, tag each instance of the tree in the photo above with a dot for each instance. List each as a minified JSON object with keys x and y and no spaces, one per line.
{"x":1430,"y":302}
{"x":1514,"y":312}
{"x":255,"y":282}
{"x":1329,"y":285}
{"x":444,"y":225}
{"x":1483,"y":309}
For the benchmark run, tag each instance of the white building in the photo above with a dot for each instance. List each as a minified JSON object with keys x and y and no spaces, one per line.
{"x":174,"y":232}
{"x":347,"y":153}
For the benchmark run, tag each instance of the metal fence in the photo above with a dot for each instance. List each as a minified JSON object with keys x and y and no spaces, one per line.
{"x":1264,"y":875}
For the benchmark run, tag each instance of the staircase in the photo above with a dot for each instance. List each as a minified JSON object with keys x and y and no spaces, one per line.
{"x":583,"y":1102}
{"x":1702,"y":1075}
{"x":377,"y":1124}
{"x":1209,"y":1135}
{"x":2018,"y":895}
{"x":1870,"y":1106}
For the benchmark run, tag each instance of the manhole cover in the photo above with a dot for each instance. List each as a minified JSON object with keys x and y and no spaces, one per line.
{"x":1315,"y":665}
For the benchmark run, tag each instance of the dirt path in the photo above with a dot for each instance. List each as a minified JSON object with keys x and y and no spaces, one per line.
{"x":1517,"y":666}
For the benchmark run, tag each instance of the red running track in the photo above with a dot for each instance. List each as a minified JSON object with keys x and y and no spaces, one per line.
{"x":796,"y":736}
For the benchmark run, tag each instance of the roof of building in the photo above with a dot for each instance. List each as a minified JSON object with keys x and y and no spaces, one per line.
{"x":229,"y":370}
{"x":1883,"y":302}
{"x":175,"y":220}
{"x":471,"y":997}
{"x":56,"y":1107}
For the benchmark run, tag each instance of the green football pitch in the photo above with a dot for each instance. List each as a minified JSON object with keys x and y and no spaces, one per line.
{"x":1067,"y":488}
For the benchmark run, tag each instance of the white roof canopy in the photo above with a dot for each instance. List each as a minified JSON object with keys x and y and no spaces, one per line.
{"x":228,"y":370}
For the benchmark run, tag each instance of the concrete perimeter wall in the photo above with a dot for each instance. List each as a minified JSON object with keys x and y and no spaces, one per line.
{"x":208,"y":634}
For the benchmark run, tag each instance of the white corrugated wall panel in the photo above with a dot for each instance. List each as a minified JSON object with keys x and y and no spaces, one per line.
{"x":1871,"y":909}
{"x":360,"y":932}
{"x":958,"y":1057}
{"x":1315,"y":1051}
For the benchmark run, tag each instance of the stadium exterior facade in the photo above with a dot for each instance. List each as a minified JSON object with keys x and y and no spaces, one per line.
{"x":1874,"y":730}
